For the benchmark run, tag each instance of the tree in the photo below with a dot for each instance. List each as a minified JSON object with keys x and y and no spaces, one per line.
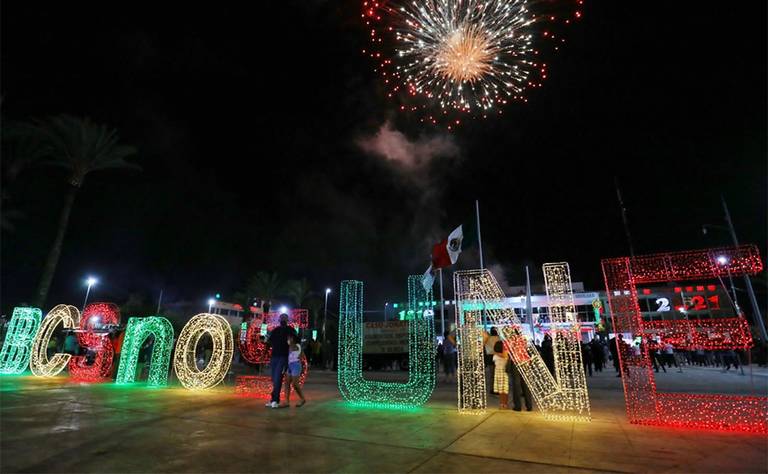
{"x":299,"y":291}
{"x":81,"y":147}
{"x":314,"y":305}
{"x":264,"y":285}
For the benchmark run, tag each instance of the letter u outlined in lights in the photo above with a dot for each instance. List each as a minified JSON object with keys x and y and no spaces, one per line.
{"x":421,"y":351}
{"x":478,"y":297}
{"x":17,"y":347}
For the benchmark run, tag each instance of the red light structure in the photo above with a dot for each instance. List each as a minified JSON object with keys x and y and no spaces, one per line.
{"x":260,"y":386}
{"x":645,"y":405}
{"x":91,"y":337}
{"x":255,"y":351}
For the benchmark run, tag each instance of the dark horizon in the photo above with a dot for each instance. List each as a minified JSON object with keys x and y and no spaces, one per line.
{"x":263,"y":149}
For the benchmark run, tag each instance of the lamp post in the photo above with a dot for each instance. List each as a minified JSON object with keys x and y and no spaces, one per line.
{"x":385,"y":310}
{"x":723,"y":260}
{"x":325,"y":311}
{"x":211,"y":302}
{"x":90,"y":281}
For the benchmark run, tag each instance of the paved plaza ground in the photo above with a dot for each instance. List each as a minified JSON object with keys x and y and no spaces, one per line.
{"x":56,"y":425}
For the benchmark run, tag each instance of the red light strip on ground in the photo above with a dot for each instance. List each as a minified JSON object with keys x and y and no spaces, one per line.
{"x":644,"y":404}
{"x":260,"y":386}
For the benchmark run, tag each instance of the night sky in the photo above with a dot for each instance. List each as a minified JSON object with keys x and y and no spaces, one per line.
{"x":267,"y":143}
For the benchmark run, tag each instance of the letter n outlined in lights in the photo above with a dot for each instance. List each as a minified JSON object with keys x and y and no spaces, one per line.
{"x":421,"y":346}
{"x":478,"y":297}
{"x":137,"y":331}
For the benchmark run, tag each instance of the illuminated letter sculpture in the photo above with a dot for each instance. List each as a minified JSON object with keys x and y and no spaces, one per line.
{"x":92,"y":336}
{"x":479,"y":296}
{"x":137,"y":331}
{"x":185,"y":360}
{"x":69,"y":316}
{"x":644,"y":404}
{"x":256,"y":351}
{"x":17,"y":348}
{"x":421,"y":353}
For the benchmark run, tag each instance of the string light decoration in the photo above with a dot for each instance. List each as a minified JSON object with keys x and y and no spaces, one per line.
{"x":260,"y":386}
{"x":17,"y":347}
{"x":644,"y":404}
{"x":91,"y":337}
{"x":450,"y":59}
{"x":707,"y":334}
{"x":256,"y":351}
{"x":566,"y":340}
{"x":41,"y":366}
{"x":480,"y":298}
{"x":185,"y":356}
{"x":136,"y":332}
{"x":421,"y":351}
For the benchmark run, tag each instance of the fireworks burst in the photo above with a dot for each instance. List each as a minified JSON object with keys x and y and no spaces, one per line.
{"x":452,"y":58}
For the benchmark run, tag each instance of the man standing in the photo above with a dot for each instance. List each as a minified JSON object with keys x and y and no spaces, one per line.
{"x":278,"y":340}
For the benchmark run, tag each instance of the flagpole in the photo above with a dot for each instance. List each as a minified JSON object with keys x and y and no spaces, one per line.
{"x":479,"y":238}
{"x":442,"y":305}
{"x":528,"y":308}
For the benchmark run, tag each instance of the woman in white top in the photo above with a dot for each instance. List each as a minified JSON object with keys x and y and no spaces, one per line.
{"x":294,"y":371}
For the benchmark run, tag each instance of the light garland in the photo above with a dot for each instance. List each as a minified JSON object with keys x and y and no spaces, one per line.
{"x":256,"y":351}
{"x":421,"y":351}
{"x":707,"y":334}
{"x":645,"y":405}
{"x":17,"y":347}
{"x":185,"y":360}
{"x":478,"y":296}
{"x":95,"y":316}
{"x":41,"y":366}
{"x":566,"y":341}
{"x":136,"y":332}
{"x":260,"y":386}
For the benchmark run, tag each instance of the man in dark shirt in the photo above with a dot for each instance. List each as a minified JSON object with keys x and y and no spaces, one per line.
{"x":278,"y":340}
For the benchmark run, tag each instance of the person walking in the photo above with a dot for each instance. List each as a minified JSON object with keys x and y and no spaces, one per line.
{"x":294,"y":371}
{"x":586,"y":358}
{"x":278,"y":342}
{"x":596,"y":351}
{"x":500,"y":377}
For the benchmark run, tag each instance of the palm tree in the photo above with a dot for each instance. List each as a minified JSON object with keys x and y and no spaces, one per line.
{"x":315,"y":306}
{"x":264,"y":285}
{"x":81,"y":147}
{"x":298,"y":291}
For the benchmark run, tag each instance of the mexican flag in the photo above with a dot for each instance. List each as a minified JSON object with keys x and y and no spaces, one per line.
{"x":446,"y":253}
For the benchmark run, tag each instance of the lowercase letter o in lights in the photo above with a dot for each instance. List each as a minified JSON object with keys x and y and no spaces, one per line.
{"x":41,"y":366}
{"x":184,"y":359}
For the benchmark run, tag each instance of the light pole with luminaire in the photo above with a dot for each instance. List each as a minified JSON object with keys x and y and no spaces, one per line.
{"x":723,"y":260}
{"x":211,"y":302}
{"x":385,"y":310}
{"x":90,"y":281}
{"x":325,"y":317}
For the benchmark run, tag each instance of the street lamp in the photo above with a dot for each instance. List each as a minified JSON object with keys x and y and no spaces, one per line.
{"x":385,"y":311}
{"x":325,"y":311}
{"x":90,"y":281}
{"x":723,"y":260}
{"x":211,"y":302}
{"x":283,"y":310}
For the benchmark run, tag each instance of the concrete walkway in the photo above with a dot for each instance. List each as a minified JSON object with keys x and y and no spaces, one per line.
{"x":59,"y":426}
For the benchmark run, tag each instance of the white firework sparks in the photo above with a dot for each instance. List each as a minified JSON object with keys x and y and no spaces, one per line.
{"x":465,"y":53}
